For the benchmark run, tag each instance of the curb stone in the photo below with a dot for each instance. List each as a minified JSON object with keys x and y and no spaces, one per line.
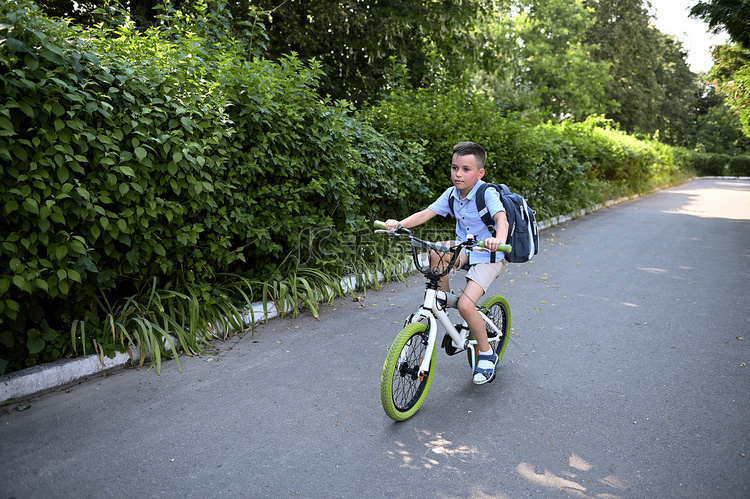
{"x":44,"y":377}
{"x":36,"y":379}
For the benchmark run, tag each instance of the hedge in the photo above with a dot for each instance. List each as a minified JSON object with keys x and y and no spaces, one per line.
{"x":163,"y":160}
{"x":558,"y":168}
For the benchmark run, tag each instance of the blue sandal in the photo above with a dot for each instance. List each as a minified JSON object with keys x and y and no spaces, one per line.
{"x":489,"y":374}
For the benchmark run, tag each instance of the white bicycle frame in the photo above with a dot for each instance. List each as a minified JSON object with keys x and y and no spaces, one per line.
{"x":434,"y":313}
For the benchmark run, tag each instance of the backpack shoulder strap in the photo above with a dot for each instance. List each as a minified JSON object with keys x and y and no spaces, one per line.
{"x":487,"y":219}
{"x":450,"y":203}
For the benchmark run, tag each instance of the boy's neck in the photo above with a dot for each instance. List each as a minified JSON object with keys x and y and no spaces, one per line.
{"x":462,"y":194}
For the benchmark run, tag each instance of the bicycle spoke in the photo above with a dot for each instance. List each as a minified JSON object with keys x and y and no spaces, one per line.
{"x":406,"y":382}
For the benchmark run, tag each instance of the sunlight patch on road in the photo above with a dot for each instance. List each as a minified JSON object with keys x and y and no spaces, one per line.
{"x":732,"y":204}
{"x":652,"y":270}
{"x":578,"y":462}
{"x":440,"y":452}
{"x":549,"y":479}
{"x":571,"y":481}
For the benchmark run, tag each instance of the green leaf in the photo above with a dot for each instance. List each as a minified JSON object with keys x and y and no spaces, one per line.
{"x":126,"y":170}
{"x":26,"y":108}
{"x":86,"y":264}
{"x":41,"y":284}
{"x":31,"y":205}
{"x":21,"y":283}
{"x":35,"y":345}
{"x":61,"y":252}
{"x":6,"y":123}
{"x":6,"y":337}
{"x":94,"y":233}
{"x":140,"y":153}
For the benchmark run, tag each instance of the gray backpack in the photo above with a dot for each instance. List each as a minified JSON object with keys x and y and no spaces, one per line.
{"x":523,"y":234}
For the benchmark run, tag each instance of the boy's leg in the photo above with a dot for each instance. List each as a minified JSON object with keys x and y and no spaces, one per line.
{"x":478,"y":279}
{"x":467,"y":308}
{"x":484,"y":371}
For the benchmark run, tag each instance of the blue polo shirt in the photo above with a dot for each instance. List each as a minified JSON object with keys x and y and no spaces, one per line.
{"x":468,"y":220}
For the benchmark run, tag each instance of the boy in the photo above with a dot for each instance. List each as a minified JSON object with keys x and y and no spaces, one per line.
{"x":467,"y":170}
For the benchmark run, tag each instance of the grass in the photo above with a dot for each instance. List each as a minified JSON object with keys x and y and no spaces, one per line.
{"x":162,"y":323}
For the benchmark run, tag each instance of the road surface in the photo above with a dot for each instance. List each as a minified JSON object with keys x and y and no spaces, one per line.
{"x":627,"y":375}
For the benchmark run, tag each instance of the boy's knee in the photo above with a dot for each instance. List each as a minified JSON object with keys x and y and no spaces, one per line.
{"x":465,"y":306}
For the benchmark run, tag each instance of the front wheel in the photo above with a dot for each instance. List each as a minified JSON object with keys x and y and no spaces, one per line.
{"x":497,"y":309}
{"x":402,"y":389}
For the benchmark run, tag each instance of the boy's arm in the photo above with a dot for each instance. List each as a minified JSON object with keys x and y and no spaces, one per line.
{"x":501,"y":232}
{"x":501,"y":226}
{"x":413,"y":220}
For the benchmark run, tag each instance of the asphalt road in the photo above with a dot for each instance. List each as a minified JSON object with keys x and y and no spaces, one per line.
{"x":628,"y":375}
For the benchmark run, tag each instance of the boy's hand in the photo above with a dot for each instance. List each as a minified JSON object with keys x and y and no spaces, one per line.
{"x":391,"y":224}
{"x":491,"y":243}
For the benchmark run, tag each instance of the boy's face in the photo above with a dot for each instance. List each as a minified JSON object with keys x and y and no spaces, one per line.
{"x":464,"y":173}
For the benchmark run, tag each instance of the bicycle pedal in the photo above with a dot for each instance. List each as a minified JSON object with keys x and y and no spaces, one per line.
{"x":448,"y":345}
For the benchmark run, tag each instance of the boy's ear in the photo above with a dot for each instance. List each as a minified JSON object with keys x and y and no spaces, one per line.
{"x":481,"y":173}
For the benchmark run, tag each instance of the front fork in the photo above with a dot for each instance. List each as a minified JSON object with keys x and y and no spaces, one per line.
{"x":433,"y":310}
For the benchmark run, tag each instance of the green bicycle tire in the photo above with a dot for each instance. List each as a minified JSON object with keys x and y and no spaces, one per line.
{"x":401,"y":392}
{"x":496,"y":307}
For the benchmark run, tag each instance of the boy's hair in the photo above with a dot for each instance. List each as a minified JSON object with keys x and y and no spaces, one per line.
{"x":471,"y":149}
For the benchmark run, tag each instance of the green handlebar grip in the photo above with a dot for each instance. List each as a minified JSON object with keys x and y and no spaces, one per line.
{"x":378,"y":224}
{"x":505,"y":248}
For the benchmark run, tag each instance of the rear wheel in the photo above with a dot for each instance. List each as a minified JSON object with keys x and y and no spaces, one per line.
{"x":402,"y":389}
{"x":497,"y":310}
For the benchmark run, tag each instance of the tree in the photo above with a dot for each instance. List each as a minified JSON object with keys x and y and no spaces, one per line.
{"x":731,"y":70}
{"x":676,"y":111}
{"x":142,"y":12}
{"x":569,"y":82}
{"x":627,"y":41}
{"x":536,"y":51}
{"x":359,"y":41}
{"x":732,"y":16}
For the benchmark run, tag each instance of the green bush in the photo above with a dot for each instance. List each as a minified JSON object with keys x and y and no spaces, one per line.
{"x":443,"y":117}
{"x":558,"y":168}
{"x":137,"y":162}
{"x":740,"y":166}
{"x":709,"y":164}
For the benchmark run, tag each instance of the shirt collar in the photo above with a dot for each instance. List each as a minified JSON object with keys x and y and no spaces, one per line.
{"x":471,"y":194}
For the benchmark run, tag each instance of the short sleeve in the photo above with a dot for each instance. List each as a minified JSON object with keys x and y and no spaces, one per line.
{"x":441,"y":206}
{"x":492,"y":201}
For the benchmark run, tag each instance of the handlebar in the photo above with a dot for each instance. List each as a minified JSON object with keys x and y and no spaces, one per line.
{"x":380,"y":225}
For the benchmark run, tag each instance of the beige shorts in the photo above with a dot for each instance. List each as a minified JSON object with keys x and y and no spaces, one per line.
{"x":482,"y":273}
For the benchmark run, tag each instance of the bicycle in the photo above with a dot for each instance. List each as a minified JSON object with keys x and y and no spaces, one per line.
{"x":410,"y":363}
